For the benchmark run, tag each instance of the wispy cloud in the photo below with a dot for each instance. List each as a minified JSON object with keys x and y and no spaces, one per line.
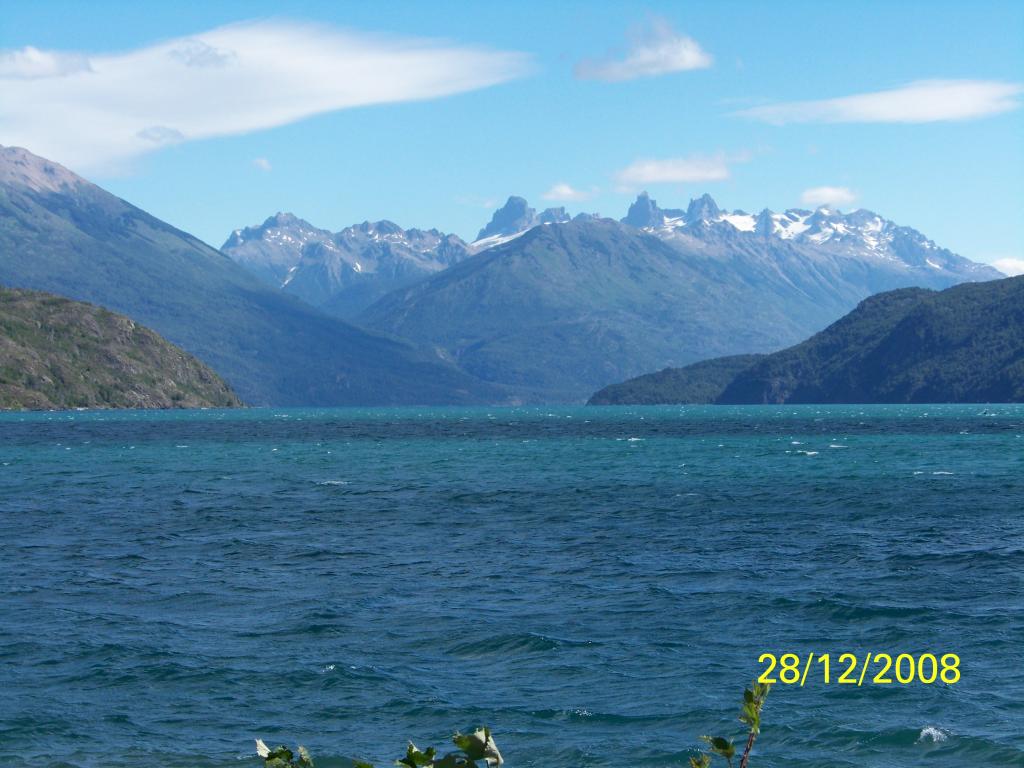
{"x":655,"y":49}
{"x":695,"y":168}
{"x":29,"y":63}
{"x":567,"y":193}
{"x":828,"y":196}
{"x":1009,"y":267}
{"x":104,"y":110}
{"x":262,"y":163}
{"x":924,"y":101}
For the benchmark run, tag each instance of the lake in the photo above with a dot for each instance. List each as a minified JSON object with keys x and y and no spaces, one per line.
{"x":595,"y":584}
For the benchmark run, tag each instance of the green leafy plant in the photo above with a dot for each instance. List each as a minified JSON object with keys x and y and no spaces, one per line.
{"x":282,"y":757}
{"x":473,"y":750}
{"x":750,"y":715}
{"x":478,"y":750}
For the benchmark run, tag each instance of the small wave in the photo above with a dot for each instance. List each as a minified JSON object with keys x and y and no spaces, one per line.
{"x":527,"y":642}
{"x":932,"y":734}
{"x":331,"y":482}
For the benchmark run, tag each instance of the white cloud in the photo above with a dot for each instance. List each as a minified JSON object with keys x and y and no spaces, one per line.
{"x":695,"y":168}
{"x":102,"y":111}
{"x":29,"y":63}
{"x":262,"y":163}
{"x":1009,"y":267}
{"x":924,"y":101}
{"x":656,"y":49}
{"x":567,"y":193}
{"x":836,"y":196}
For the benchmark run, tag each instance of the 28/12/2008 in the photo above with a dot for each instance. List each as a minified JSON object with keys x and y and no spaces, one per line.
{"x":905,"y":669}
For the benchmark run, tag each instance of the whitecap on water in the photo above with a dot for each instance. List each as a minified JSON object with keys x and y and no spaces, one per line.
{"x":932,"y":734}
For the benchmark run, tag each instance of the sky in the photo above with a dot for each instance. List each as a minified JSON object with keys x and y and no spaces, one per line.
{"x":216,"y":115}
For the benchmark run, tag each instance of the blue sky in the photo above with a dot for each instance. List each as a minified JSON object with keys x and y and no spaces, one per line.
{"x":213,"y":129}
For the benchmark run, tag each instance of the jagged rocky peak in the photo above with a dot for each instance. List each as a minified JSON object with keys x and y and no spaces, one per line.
{"x":703,"y":208}
{"x":514,"y":216}
{"x":644,"y":212}
{"x":553,"y":216}
{"x":280,"y":219}
{"x":383,"y":227}
{"x":280,"y":226}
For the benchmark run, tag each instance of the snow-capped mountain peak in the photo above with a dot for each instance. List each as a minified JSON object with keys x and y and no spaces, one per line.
{"x":341,"y":271}
{"x":861,"y":234}
{"x":513,"y":219}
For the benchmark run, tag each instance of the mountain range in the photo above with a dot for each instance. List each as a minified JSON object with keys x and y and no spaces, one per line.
{"x":345,"y":272}
{"x":540,"y":307}
{"x":963,"y":344}
{"x":565,"y":307}
{"x":63,"y":234}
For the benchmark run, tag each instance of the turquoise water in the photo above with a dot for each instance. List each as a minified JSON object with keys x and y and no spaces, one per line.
{"x":594,"y":584}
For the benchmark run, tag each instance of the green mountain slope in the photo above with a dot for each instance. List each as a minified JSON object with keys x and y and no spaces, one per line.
{"x":701,"y":382}
{"x":62,"y":234}
{"x":566,"y":308}
{"x":963,"y":344}
{"x":58,"y":353}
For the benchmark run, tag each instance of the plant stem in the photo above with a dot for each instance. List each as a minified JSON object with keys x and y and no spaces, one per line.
{"x":746,"y":752}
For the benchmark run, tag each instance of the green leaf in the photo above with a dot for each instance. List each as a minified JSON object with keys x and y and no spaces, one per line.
{"x":470,"y":744}
{"x":703,"y":761}
{"x":478,"y":745}
{"x":751,"y":716}
{"x":361,"y":764}
{"x":304,"y":758}
{"x":414,"y":757}
{"x":280,"y":753}
{"x":720,"y":746}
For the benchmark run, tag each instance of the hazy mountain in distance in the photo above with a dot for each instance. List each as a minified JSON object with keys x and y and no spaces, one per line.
{"x":346,"y":271}
{"x":564,"y":308}
{"x":62,"y":234}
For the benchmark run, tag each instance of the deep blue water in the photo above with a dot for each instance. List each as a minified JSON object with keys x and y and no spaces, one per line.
{"x":594,"y":584}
